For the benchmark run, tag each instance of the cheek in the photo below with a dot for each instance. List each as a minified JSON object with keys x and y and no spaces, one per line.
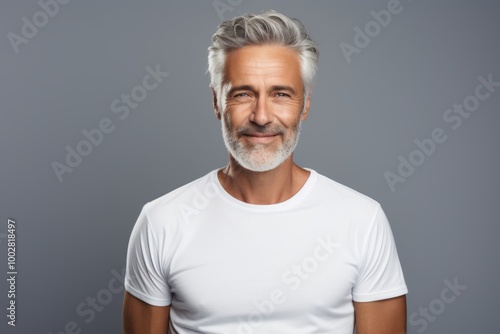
{"x":231,"y":121}
{"x":237,"y":114}
{"x":288,"y":108}
{"x":288,"y":119}
{"x":240,"y":107}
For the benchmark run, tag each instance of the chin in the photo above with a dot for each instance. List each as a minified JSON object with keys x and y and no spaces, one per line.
{"x":262,"y":166}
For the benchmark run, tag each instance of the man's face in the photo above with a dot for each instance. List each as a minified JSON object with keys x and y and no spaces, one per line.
{"x":263,"y":102}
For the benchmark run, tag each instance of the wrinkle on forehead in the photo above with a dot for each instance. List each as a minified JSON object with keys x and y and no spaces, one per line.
{"x":271,"y":64}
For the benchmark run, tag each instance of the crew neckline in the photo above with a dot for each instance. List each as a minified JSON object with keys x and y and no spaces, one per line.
{"x":291,"y":202}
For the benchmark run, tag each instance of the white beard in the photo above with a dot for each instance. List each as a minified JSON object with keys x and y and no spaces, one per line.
{"x":260,"y":157}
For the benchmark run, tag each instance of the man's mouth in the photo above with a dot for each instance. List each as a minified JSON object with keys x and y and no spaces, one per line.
{"x":260,"y":137}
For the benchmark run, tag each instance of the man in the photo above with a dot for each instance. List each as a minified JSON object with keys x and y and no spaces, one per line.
{"x":263,"y":245}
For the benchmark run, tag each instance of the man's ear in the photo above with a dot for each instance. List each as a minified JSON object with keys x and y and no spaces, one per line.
{"x":307,"y":105}
{"x":216,"y":105}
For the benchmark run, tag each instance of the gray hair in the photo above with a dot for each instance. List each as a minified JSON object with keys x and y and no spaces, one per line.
{"x":269,"y":27}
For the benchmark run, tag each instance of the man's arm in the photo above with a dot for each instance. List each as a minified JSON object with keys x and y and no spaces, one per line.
{"x":386,"y":316}
{"x":142,"y":318}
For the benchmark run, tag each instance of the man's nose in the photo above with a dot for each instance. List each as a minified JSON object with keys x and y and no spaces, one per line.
{"x":261,"y":113}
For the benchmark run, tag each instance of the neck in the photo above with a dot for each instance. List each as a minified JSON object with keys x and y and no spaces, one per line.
{"x":269,"y":187}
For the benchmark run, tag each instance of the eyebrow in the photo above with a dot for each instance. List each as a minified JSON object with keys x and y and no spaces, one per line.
{"x":273,"y":88}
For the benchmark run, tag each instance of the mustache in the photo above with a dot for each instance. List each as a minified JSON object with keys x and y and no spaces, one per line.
{"x":265,"y":130}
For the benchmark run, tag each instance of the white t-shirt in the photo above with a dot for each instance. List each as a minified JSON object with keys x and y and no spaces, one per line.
{"x":226,"y":266}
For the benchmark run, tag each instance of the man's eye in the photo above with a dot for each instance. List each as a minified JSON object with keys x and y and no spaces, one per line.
{"x":280,"y":94}
{"x":241,"y":95}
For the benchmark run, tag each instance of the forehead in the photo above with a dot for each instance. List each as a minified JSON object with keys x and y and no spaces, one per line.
{"x":270,"y":63}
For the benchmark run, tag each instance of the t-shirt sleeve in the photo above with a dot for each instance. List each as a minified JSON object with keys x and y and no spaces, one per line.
{"x":380,"y":274}
{"x":145,"y":276}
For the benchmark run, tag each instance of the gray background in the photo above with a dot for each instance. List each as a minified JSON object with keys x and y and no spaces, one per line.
{"x":365,"y":113}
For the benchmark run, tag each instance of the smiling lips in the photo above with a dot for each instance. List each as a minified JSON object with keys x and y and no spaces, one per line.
{"x":261,"y":137}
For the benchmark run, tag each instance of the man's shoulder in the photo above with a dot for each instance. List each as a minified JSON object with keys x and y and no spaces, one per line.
{"x":340,"y":193}
{"x":183,"y":195}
